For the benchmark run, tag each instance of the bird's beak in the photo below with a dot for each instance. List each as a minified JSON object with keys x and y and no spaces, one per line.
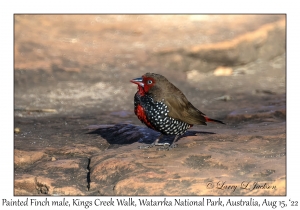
{"x":138,"y":81}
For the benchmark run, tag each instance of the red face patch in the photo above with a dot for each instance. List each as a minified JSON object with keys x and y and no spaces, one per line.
{"x":144,"y":84}
{"x":148,"y":83}
{"x":141,"y":90}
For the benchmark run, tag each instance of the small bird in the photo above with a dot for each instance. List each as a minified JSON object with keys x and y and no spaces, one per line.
{"x":161,"y":106}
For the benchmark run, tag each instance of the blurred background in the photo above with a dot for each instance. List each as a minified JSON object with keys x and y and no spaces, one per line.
{"x":83,"y":63}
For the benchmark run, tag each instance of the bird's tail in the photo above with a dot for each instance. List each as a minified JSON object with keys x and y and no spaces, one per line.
{"x":212,"y":120}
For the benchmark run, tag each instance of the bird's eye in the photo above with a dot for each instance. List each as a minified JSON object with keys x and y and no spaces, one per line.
{"x":149,"y":82}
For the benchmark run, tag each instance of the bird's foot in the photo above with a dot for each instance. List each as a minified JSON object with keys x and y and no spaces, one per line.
{"x":173,"y":146}
{"x":162,"y":144}
{"x":167,"y":147}
{"x":154,"y":144}
{"x":146,"y":147}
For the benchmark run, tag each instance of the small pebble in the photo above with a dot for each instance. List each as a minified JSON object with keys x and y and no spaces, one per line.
{"x":17,"y":130}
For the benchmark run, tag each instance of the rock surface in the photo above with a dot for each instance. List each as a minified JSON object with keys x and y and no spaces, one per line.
{"x":75,"y":130}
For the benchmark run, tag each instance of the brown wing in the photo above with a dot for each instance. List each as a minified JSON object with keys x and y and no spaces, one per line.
{"x":180,"y":108}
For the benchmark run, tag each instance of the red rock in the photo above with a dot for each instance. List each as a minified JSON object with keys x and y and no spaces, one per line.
{"x":27,"y":157}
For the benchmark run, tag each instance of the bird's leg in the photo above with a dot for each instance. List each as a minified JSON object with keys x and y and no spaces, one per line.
{"x":155,"y":143}
{"x":173,"y":145}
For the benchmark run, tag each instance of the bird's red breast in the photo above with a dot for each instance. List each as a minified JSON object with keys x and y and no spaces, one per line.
{"x":140,"y":113}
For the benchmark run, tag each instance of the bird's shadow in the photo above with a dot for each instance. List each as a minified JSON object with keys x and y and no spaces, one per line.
{"x":122,"y":134}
